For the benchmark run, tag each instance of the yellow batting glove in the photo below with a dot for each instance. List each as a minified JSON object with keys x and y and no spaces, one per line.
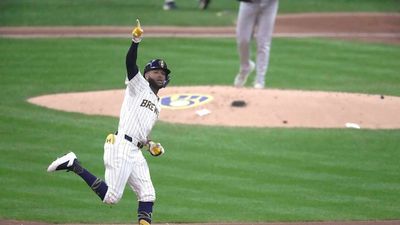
{"x":155,"y":149}
{"x":137,"y":32}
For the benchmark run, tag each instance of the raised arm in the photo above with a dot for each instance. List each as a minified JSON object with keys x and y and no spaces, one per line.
{"x":131,"y":67}
{"x":131,"y":56}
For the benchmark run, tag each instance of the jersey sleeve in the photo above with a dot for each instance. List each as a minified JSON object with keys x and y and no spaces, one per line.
{"x":131,"y":57}
{"x":137,"y":84}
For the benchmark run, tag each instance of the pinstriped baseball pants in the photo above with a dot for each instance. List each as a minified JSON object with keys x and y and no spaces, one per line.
{"x":125,"y":164}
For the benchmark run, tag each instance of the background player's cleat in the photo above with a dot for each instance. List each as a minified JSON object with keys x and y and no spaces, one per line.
{"x":170,"y":5}
{"x":240,"y":79}
{"x":203,"y":4}
{"x":258,"y":85}
{"x":64,"y":163}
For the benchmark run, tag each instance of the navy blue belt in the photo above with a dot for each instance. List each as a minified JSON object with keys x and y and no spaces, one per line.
{"x":130,"y":139}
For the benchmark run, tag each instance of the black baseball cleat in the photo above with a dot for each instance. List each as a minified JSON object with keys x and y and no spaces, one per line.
{"x":66,"y":162}
{"x":203,"y":4}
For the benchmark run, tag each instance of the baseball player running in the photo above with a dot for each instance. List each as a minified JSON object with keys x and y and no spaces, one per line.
{"x":123,"y":158}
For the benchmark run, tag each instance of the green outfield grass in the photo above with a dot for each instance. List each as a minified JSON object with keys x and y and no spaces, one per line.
{"x":208,"y":173}
{"x":123,"y":12}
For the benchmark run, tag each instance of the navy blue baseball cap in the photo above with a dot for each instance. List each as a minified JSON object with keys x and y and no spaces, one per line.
{"x":157,"y":64}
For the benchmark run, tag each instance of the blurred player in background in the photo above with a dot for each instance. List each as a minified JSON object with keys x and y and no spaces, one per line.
{"x":258,"y":17}
{"x":171,"y":5}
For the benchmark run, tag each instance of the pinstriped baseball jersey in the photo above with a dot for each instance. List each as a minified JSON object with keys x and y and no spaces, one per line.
{"x":123,"y":160}
{"x":140,"y":109}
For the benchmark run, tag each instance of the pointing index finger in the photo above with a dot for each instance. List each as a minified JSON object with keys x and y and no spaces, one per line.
{"x":137,"y":23}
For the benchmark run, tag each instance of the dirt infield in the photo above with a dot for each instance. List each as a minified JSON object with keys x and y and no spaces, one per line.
{"x":371,"y":27}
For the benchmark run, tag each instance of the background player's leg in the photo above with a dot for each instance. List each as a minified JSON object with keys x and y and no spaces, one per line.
{"x":244,"y":31}
{"x":264,"y":37}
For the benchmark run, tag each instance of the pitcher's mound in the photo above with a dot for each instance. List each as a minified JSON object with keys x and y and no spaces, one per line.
{"x":212,"y":105}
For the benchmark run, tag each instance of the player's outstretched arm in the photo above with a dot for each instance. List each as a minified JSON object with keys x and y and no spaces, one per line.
{"x":131,"y":56}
